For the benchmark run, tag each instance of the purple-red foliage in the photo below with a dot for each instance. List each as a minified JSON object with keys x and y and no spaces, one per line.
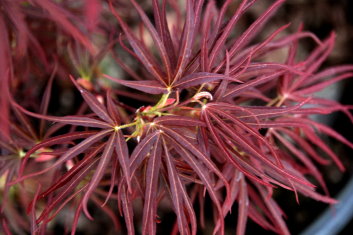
{"x":218,"y":119}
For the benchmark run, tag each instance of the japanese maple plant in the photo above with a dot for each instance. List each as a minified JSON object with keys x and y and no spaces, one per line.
{"x":200,"y":116}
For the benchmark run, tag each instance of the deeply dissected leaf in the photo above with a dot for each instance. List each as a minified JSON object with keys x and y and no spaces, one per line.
{"x":112,"y":109}
{"x":221,"y":40}
{"x":53,"y":141}
{"x":73,"y":120}
{"x":187,"y":40}
{"x":163,"y":30}
{"x":93,"y":103}
{"x":158,"y":41}
{"x":141,"y":52}
{"x":174,"y":120}
{"x":253,"y":83}
{"x":195,"y":151}
{"x":195,"y":79}
{"x":243,"y":207}
{"x":99,"y":171}
{"x":72,"y":172}
{"x":73,"y":152}
{"x":151,"y":87}
{"x":204,"y":176}
{"x":249,"y":34}
{"x":66,"y":191}
{"x":152,"y":175}
{"x":275,"y":212}
{"x":122,"y":153}
{"x":306,"y":161}
{"x":179,"y":196}
{"x":141,"y":151}
{"x":128,"y":212}
{"x":256,"y":152}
